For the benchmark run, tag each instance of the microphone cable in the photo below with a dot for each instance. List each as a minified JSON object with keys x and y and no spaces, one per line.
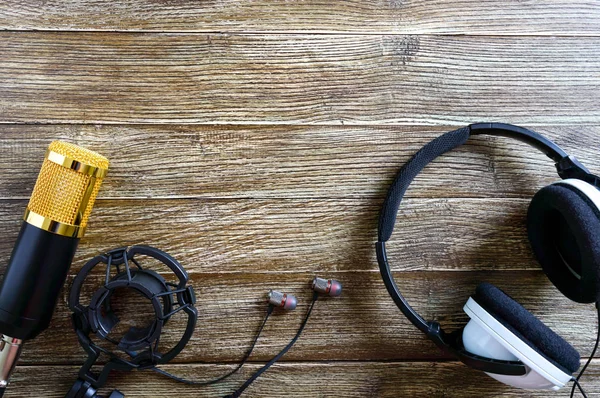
{"x":226,"y":375}
{"x":259,"y":372}
{"x":576,"y":379}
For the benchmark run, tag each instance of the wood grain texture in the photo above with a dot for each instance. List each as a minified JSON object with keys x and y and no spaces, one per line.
{"x":322,"y":379}
{"x":231,"y":307}
{"x":274,"y":236}
{"x":557,"y":17}
{"x":364,"y":325}
{"x":273,"y":79}
{"x":316,"y":162}
{"x":254,"y":141}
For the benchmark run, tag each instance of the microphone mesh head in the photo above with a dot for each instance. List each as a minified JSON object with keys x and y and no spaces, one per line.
{"x":68,"y":184}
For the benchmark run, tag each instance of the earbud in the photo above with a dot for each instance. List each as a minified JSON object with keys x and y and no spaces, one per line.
{"x":330,"y":287}
{"x":287,"y":301}
{"x":282,"y":300}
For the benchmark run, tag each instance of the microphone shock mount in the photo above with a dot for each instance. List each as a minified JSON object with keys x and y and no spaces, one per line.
{"x":138,"y":347}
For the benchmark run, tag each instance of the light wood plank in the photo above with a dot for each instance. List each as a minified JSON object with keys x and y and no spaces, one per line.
{"x":290,"y":161}
{"x":273,"y":236}
{"x":345,"y":379}
{"x":557,"y":17}
{"x":266,"y":79}
{"x":363,"y":324}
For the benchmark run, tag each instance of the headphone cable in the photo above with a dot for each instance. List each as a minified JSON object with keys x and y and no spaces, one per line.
{"x":576,"y":379}
{"x":226,"y":375}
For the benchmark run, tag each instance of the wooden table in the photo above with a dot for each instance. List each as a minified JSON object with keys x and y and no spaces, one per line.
{"x":255,"y":140}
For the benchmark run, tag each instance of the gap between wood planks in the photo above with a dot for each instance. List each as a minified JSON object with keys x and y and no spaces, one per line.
{"x":305,"y":33}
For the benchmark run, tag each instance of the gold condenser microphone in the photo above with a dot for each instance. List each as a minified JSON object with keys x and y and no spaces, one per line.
{"x":55,"y":220}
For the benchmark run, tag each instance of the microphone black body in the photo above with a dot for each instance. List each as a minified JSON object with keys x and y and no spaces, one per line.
{"x":32,"y":282}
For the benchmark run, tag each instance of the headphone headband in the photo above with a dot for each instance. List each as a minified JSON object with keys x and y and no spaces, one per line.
{"x":532,"y":138}
{"x":567,"y":167}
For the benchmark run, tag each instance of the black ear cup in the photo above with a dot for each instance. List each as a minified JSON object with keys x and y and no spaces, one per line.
{"x":527,"y":327}
{"x":563,"y":225}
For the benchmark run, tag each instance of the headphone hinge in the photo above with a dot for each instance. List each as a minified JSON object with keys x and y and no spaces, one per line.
{"x":437,"y":335}
{"x":570,"y":167}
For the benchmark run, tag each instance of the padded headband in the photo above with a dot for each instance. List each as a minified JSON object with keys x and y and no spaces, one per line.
{"x":409,"y":171}
{"x":567,"y":167}
{"x":443,"y":144}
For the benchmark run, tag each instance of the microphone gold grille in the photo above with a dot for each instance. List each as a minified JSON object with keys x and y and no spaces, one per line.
{"x":66,"y":188}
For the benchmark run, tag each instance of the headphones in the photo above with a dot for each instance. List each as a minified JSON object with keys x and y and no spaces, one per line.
{"x":502,"y":338}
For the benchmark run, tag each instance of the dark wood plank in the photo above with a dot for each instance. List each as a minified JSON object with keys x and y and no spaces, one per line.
{"x":557,"y":17}
{"x":322,"y":79}
{"x":322,"y":379}
{"x":361,"y":325}
{"x":289,"y":161}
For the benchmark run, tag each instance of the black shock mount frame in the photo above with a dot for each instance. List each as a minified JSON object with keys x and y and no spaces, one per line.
{"x":140,"y":345}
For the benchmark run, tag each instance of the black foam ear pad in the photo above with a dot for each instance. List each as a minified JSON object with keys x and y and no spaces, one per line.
{"x":563,"y":226}
{"x":527,"y":327}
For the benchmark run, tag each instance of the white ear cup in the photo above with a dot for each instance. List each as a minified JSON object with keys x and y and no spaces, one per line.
{"x":484,"y":335}
{"x":478,"y":341}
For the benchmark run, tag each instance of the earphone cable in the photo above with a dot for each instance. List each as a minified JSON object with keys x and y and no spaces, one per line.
{"x":576,"y":384}
{"x":226,"y":375}
{"x":240,"y":390}
{"x":576,"y":379}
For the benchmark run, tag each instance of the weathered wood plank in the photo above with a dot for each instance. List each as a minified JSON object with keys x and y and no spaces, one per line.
{"x":273,"y":236}
{"x":320,"y":79}
{"x":340,"y":379}
{"x":557,"y":17}
{"x":363,"y":324}
{"x":289,"y":161}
